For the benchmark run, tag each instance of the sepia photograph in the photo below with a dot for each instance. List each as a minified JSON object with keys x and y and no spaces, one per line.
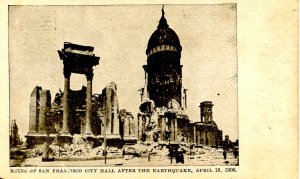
{"x":123,"y":85}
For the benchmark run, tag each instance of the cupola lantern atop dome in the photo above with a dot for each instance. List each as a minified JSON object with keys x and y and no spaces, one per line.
{"x":163,"y":38}
{"x":163,"y":21}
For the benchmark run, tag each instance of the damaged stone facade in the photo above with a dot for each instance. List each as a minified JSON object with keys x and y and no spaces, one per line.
{"x":47,"y":119}
{"x":206,"y":131}
{"x":161,"y":124}
{"x":40,"y":103}
{"x":76,"y":112}
{"x":127,"y":126}
{"x":109,"y":110}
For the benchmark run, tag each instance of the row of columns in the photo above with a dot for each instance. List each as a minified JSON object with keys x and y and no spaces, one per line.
{"x":204,"y":137}
{"x":173,"y":128}
{"x":165,"y":124}
{"x":128,"y":126}
{"x":65,"y":128}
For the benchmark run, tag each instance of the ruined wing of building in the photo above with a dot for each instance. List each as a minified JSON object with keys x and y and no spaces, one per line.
{"x":78,"y":112}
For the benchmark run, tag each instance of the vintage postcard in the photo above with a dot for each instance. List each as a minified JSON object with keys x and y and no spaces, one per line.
{"x":126,"y":96}
{"x":108,"y":90}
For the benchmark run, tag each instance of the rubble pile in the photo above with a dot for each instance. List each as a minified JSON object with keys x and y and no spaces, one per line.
{"x":80,"y":147}
{"x":160,"y":151}
{"x":138,"y":150}
{"x":198,"y":151}
{"x":149,"y":148}
{"x":212,"y":156}
{"x":37,"y":151}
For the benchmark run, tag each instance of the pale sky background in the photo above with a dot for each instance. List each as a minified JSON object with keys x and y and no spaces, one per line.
{"x":120,"y":35}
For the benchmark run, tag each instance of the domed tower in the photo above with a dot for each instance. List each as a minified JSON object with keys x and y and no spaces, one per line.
{"x":163,"y":70}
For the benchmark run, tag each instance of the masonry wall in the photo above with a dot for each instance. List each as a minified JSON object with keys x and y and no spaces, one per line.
{"x":34,"y":109}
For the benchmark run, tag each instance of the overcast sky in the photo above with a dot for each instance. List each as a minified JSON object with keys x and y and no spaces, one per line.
{"x":120,"y":35}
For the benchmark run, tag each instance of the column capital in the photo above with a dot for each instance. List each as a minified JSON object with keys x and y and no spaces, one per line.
{"x":89,"y":75}
{"x":67,"y":72}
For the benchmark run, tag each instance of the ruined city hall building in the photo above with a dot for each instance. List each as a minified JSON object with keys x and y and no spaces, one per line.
{"x":162,"y":115}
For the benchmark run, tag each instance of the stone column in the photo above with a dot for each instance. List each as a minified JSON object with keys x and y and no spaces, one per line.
{"x":131,"y":125}
{"x":186,"y":130}
{"x":116,"y":126}
{"x":172,"y":126}
{"x":108,"y":111}
{"x":140,"y":127}
{"x":197,"y":136}
{"x":200,"y":141}
{"x":175,"y":129}
{"x":45,"y":103}
{"x":126,"y":127}
{"x":211,"y":138}
{"x":88,"y":129}
{"x":82,"y":125}
{"x":163,"y":128}
{"x":65,"y":127}
{"x":102,"y":124}
{"x":33,"y":110}
{"x":203,"y":137}
{"x":215,"y":138}
{"x":135,"y":127}
{"x":42,"y":117}
{"x":195,"y":133}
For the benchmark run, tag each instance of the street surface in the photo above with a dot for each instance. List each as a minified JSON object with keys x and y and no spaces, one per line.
{"x":208,"y":159}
